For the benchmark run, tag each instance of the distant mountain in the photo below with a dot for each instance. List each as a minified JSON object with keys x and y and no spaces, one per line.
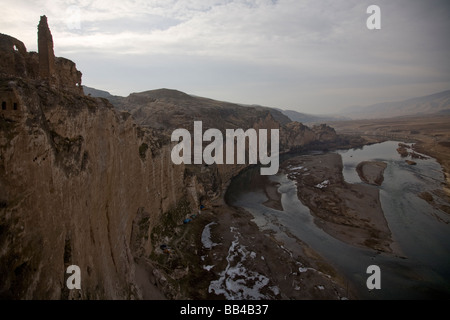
{"x":309,"y":118}
{"x":276,"y":113}
{"x":431,"y":104}
{"x":101,"y":94}
{"x":168,"y":108}
{"x":96,"y":93}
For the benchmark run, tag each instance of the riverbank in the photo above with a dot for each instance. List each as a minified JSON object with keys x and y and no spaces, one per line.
{"x":246,"y":263}
{"x":430,"y":135}
{"x":298,"y":273}
{"x":222,"y":254}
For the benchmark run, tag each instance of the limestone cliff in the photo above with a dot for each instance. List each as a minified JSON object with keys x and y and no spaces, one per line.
{"x":75,"y":179}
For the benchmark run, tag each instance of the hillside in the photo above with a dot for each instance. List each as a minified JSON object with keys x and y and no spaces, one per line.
{"x":171,"y":106}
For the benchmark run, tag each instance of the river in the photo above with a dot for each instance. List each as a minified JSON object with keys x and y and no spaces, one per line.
{"x":421,"y":271}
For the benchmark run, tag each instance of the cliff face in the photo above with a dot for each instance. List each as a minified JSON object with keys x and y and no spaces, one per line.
{"x":82,"y":183}
{"x":74,"y":179}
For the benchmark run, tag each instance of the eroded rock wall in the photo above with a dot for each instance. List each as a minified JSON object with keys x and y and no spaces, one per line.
{"x":74,"y":179}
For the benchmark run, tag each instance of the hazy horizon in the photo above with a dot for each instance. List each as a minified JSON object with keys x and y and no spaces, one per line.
{"x":313,"y":57}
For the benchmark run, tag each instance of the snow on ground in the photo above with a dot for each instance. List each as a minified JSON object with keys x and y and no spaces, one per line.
{"x":323,"y":184}
{"x":206,"y":237}
{"x":236,"y":282}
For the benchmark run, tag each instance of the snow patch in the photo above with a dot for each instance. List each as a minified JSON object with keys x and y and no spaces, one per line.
{"x":236,"y":282}
{"x":207,"y":268}
{"x":206,"y":237}
{"x":275,"y":290}
{"x":323,"y":184}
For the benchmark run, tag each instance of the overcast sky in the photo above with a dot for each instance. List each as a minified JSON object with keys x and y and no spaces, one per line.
{"x":311,"y":56}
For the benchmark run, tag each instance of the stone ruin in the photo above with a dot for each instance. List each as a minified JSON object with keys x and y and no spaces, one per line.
{"x":45,"y":48}
{"x":43,"y":67}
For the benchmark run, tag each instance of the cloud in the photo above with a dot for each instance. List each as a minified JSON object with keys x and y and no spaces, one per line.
{"x":311,"y":54}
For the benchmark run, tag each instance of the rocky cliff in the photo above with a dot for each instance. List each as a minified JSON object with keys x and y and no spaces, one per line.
{"x":83,"y":183}
{"x":76,"y":183}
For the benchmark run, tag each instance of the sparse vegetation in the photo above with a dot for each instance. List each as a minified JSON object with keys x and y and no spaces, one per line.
{"x":170,"y":219}
{"x":181,"y":264}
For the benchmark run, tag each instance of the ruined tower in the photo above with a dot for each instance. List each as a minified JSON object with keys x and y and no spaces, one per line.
{"x":45,"y":48}
{"x":59,"y":73}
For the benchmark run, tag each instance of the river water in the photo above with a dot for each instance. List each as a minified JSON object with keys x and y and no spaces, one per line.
{"x":422,"y":233}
